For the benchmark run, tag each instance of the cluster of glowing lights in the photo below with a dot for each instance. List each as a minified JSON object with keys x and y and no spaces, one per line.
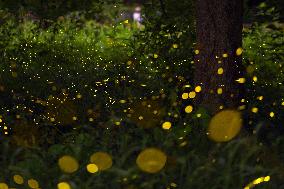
{"x":224,"y":126}
{"x":257,"y":181}
{"x":192,"y":94}
{"x":19,"y":180}
{"x":99,"y":161}
{"x":150,"y":160}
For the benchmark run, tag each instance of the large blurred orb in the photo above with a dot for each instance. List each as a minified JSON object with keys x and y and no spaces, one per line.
{"x":18,"y":179}
{"x":102,"y":160}
{"x":68,"y":164}
{"x":225,"y":125}
{"x":151,"y":160}
{"x":3,"y":186}
{"x":63,"y":185}
{"x":33,"y":183}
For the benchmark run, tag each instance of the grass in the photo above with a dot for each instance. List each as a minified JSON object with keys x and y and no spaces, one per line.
{"x":69,"y":90}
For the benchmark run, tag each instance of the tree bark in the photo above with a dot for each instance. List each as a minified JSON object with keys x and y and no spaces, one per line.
{"x":219,"y":33}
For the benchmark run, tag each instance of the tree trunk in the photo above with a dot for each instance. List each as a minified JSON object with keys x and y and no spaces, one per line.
{"x":219,"y":35}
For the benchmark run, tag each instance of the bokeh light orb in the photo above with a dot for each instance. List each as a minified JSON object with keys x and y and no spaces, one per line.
{"x":18,"y":179}
{"x":32,"y":183}
{"x":188,"y":109}
{"x":239,"y":51}
{"x":167,"y":125}
{"x":63,"y":185}
{"x":151,"y":160}
{"x":102,"y":160}
{"x":225,"y":125}
{"x":3,"y":186}
{"x":68,"y":164}
{"x":92,"y":168}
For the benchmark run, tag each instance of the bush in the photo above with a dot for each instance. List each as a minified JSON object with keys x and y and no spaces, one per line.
{"x":79,"y":87}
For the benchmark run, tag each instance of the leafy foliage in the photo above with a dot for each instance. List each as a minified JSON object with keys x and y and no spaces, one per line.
{"x":79,"y":87}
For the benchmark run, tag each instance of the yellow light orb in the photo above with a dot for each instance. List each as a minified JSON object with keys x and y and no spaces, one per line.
{"x":175,"y":46}
{"x":122,"y":101}
{"x":241,"y":80}
{"x":257,"y":181}
{"x":225,"y":125}
{"x":260,"y":98}
{"x":188,"y":109}
{"x":18,"y":179}
{"x":102,"y":160}
{"x":220,"y":71}
{"x":225,"y":55}
{"x":271,"y":114}
{"x":33,"y":183}
{"x":266,"y":179}
{"x":219,"y":91}
{"x":68,"y":164}
{"x":184,"y":96}
{"x":196,"y":51}
{"x":3,"y":186}
{"x":192,"y":94}
{"x":198,"y":89}
{"x":254,"y":78}
{"x":239,"y":51}
{"x":151,"y":160}
{"x":63,"y":185}
{"x":254,"y":109}
{"x":167,"y":125}
{"x":129,"y":62}
{"x":92,"y":168}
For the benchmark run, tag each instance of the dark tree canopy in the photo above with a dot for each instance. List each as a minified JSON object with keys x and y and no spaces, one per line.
{"x":50,"y":9}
